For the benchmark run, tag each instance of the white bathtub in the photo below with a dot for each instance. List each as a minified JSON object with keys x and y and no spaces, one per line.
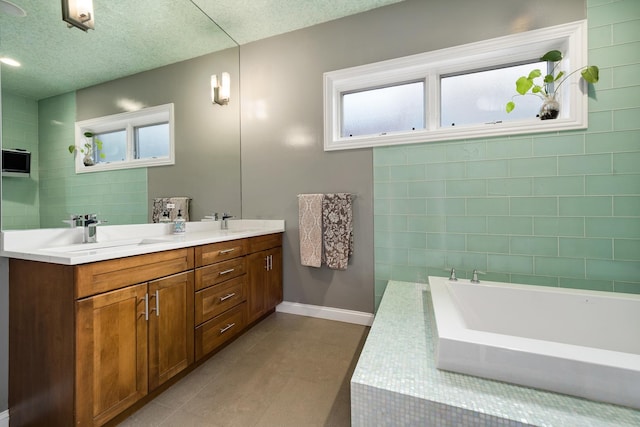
{"x":577,"y":342}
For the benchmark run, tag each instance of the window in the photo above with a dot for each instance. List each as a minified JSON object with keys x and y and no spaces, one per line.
{"x":379,"y":110}
{"x":129,"y":140}
{"x":114,"y":146}
{"x":479,"y":97}
{"x":454,"y":93}
{"x":152,"y":141}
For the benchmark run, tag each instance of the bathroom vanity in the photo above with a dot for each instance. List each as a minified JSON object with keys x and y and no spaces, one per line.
{"x":98,"y":330}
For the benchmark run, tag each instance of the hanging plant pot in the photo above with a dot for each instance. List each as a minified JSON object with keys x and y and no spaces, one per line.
{"x":550,"y":109}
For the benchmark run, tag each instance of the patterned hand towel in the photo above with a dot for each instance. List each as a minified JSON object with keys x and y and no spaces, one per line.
{"x":160,"y":205}
{"x":310,"y":221}
{"x":337,"y":222}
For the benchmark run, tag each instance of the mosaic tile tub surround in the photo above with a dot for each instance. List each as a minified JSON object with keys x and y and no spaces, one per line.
{"x":396,"y":381}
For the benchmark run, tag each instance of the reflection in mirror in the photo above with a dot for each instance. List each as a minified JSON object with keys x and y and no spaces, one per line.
{"x":141,"y":54}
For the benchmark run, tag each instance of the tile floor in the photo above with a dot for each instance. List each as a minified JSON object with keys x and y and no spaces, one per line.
{"x":286,"y":371}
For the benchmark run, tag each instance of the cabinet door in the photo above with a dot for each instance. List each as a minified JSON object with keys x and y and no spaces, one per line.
{"x":265,"y":282}
{"x":256,"y":302}
{"x":111,"y":354}
{"x":170,"y":327}
{"x":274,"y":278}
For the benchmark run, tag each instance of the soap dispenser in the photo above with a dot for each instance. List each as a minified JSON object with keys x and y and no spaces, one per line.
{"x":179,"y":224}
{"x":165,"y":218}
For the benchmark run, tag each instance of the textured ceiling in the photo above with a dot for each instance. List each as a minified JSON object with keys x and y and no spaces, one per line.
{"x":251,"y":20}
{"x":134,"y":36}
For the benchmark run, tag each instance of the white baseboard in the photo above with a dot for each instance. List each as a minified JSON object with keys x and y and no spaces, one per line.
{"x":4,"y":418}
{"x":330,"y":313}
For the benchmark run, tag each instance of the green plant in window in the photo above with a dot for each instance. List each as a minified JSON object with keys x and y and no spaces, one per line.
{"x":87,"y":147}
{"x":547,"y":90}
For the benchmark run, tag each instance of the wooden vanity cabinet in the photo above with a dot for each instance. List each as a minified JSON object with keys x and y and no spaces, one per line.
{"x":103,"y":336}
{"x":264,"y":268}
{"x":88,"y":341}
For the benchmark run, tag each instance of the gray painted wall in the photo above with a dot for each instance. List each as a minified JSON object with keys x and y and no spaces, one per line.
{"x":282,"y":124}
{"x":207,"y":136}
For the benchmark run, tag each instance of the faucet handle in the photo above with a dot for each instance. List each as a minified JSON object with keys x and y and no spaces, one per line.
{"x":452,"y":275}
{"x":75,"y":221}
{"x":226,"y":216}
{"x":474,"y":278}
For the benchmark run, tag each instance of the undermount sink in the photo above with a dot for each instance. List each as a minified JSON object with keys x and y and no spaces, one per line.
{"x":102,"y":247}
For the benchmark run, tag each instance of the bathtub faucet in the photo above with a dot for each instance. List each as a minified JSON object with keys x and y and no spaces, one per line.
{"x":452,"y":275}
{"x":474,"y":278}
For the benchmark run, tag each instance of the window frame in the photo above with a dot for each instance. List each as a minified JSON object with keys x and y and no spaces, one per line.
{"x":127,"y":121}
{"x":570,"y":38}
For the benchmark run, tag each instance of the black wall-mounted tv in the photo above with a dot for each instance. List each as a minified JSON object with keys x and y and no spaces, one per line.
{"x":16,"y":162}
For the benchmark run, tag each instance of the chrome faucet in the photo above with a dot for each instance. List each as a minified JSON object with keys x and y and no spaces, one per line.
{"x":224,"y":225}
{"x":452,"y":275}
{"x":474,"y":278}
{"x":89,"y":223}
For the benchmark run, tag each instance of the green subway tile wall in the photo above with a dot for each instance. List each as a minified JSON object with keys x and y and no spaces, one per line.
{"x":20,"y":207}
{"x":560,"y":209}
{"x":120,"y":197}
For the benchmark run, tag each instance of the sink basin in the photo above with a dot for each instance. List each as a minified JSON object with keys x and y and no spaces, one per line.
{"x":104,"y":247}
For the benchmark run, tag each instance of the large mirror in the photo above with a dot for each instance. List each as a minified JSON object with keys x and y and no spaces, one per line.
{"x":140,"y":54}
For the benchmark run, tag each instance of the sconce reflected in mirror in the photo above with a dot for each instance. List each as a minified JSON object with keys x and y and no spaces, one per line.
{"x":220,"y":89}
{"x":78,"y":13}
{"x":9,"y":61}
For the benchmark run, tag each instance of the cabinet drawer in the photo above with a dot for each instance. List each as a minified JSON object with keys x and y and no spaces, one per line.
{"x":216,"y":252}
{"x":216,"y":299}
{"x":268,"y":241}
{"x":217,"y":331}
{"x":216,"y":273}
{"x":103,"y":276}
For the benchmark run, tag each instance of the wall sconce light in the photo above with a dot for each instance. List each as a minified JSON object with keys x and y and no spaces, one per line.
{"x":9,"y":61}
{"x":220,"y":89}
{"x":78,"y":13}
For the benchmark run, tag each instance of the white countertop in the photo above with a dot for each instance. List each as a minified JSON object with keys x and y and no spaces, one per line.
{"x":64,"y":245}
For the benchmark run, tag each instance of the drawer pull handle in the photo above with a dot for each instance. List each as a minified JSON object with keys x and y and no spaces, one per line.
{"x":226,"y":297}
{"x":231,"y":270}
{"x":227,"y":251}
{"x":226,"y":328}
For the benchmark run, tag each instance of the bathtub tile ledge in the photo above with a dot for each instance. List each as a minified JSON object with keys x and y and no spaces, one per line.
{"x":396,"y":381}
